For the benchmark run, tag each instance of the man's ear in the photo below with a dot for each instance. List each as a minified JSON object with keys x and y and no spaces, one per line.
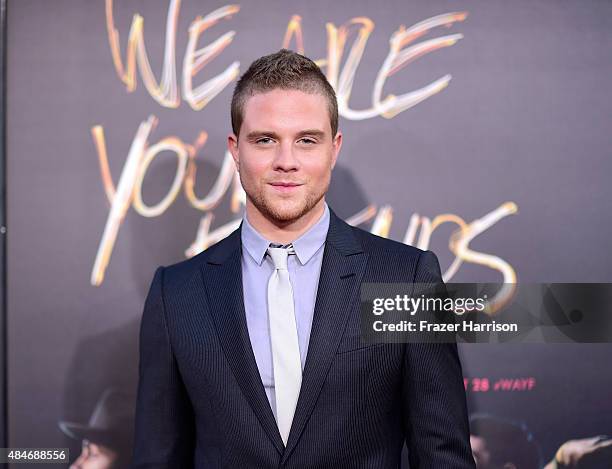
{"x":336,"y":145}
{"x":232,"y":146}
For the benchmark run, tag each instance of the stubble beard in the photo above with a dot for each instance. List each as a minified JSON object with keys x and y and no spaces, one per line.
{"x":278,"y":213}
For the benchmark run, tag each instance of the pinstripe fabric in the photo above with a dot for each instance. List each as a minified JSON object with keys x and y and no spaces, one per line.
{"x":201,"y":403}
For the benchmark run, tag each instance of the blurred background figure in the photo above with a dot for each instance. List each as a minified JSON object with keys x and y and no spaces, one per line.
{"x":585,"y":453}
{"x":107,"y":437}
{"x":502,"y":444}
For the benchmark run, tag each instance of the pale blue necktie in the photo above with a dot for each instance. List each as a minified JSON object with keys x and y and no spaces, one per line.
{"x":284,"y":338}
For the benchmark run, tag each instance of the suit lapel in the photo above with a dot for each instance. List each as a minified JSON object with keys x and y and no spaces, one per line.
{"x":342,"y":269}
{"x":223,"y":284}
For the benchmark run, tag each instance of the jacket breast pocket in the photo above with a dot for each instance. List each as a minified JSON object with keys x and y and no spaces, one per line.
{"x":354,"y":343}
{"x":351,"y":339}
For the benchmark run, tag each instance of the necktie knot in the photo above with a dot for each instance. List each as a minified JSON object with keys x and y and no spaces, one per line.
{"x":279,"y":255}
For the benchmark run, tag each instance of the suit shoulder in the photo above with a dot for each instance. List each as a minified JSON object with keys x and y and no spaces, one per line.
{"x":393,"y":261}
{"x":181,"y":272}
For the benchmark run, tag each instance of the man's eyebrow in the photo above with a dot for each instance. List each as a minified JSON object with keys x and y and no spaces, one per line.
{"x":260,"y":133}
{"x":254,"y":134}
{"x":314,"y":132}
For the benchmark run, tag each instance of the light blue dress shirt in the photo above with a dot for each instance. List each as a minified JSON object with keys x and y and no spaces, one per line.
{"x":304,"y":270}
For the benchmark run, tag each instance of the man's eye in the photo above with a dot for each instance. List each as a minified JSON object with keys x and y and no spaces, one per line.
{"x":307,"y":140}
{"x":264,"y":140}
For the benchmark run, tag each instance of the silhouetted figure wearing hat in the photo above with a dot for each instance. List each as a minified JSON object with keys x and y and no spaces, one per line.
{"x":107,"y":437}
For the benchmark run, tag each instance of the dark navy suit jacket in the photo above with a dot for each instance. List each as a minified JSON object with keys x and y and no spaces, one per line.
{"x":201,"y":403}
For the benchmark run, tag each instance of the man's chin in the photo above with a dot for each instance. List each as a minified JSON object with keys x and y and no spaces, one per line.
{"x":284,"y":212}
{"x":286,"y":216}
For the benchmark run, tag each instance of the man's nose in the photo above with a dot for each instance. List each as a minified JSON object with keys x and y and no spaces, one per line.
{"x":286,"y":158}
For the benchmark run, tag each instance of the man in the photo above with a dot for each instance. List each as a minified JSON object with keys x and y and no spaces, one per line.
{"x":502,"y":444}
{"x":107,"y":437}
{"x":250,"y":352}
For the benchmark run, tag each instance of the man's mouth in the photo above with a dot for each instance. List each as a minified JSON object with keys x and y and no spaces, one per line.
{"x":285,"y":186}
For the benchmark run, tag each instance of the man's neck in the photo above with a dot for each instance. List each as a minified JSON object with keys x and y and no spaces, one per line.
{"x":283,"y":233}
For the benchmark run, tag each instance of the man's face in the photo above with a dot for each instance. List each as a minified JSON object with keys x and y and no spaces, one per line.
{"x":481,"y":454}
{"x":483,"y":457}
{"x":94,"y":456}
{"x":285,"y":153}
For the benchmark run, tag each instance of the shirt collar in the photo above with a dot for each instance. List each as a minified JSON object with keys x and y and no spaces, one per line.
{"x":305,"y":246}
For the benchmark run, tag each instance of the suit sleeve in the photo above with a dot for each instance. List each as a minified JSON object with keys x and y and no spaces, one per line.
{"x":164,"y":429}
{"x":435,"y":409}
